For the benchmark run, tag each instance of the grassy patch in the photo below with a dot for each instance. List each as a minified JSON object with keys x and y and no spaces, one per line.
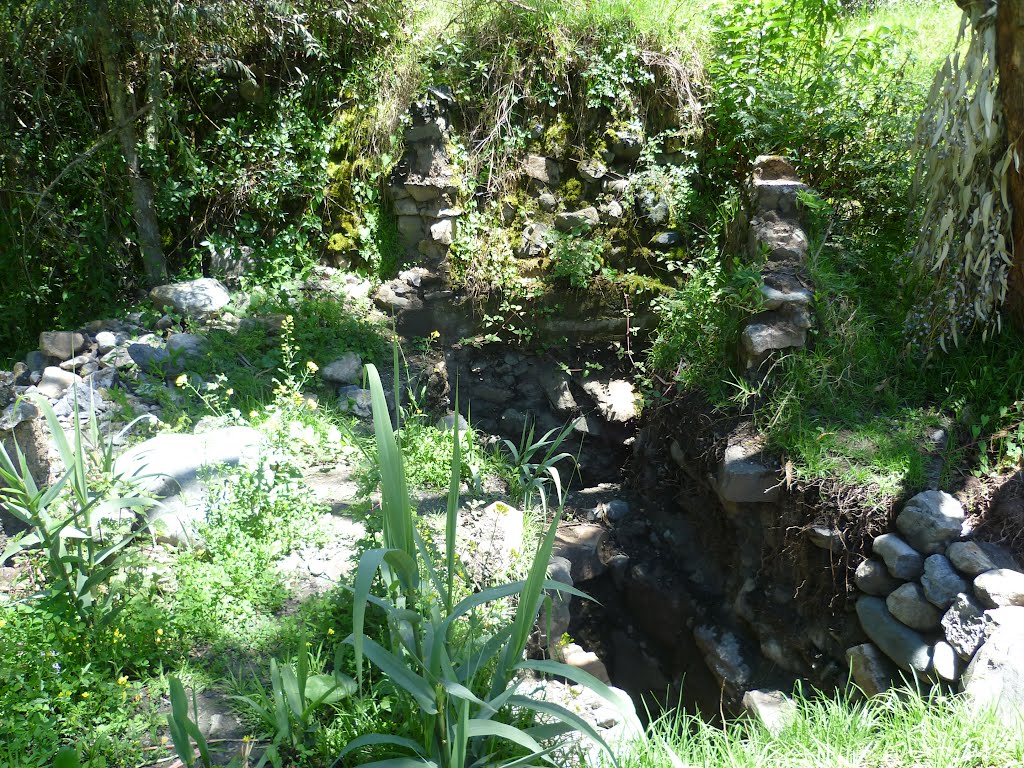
{"x":899,"y":729}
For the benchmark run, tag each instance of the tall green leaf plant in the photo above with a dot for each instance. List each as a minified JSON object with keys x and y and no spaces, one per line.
{"x":464,"y":688}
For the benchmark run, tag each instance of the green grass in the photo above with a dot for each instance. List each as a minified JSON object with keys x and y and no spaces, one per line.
{"x":897,"y":729}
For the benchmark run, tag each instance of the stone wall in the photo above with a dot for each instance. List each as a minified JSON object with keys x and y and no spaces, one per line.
{"x":942,"y":607}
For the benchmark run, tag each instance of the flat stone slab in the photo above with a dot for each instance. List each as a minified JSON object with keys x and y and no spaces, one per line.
{"x":745,"y":475}
{"x":174,"y":468}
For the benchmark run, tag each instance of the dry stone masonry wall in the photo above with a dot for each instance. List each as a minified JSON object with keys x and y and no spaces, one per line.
{"x":775,"y":234}
{"x":940,"y":606}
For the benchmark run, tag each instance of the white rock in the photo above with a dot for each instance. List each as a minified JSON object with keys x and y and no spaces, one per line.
{"x":615,"y":399}
{"x":1001,"y":587}
{"x":347,"y":369}
{"x":194,"y":297}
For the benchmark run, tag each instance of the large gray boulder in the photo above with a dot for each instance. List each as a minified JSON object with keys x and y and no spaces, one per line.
{"x":585,"y":218}
{"x":175,"y":468}
{"x":994,"y":680}
{"x":61,"y":345}
{"x":903,"y":645}
{"x":931,"y":520}
{"x":193,"y":297}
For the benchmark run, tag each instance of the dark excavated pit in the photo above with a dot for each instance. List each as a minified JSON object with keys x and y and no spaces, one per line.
{"x":687,"y":611}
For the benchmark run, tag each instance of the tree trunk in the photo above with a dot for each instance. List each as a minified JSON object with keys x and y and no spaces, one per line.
{"x":1010,"y":60}
{"x":122,"y":111}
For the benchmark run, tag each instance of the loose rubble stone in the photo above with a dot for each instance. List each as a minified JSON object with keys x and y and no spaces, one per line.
{"x":447,"y":422}
{"x":964,"y":626}
{"x":154,"y":360}
{"x":723,"y":653}
{"x":575,"y":656}
{"x":354,"y":399}
{"x":773,"y":709}
{"x":55,"y":382}
{"x":902,"y":560}
{"x":547,"y":202}
{"x":347,"y":369}
{"x":542,"y":169}
{"x":78,"y":362}
{"x":873,"y":578}
{"x":995,"y":677}
{"x":37,"y":361}
{"x":185,"y":345}
{"x":871,"y":671}
{"x":584,"y":218}
{"x":193,"y":297}
{"x":615,"y":399}
{"x":556,"y":387}
{"x":976,"y":557}
{"x":900,"y":643}
{"x":931,"y":520}
{"x":593,"y":170}
{"x":909,"y":605}
{"x":61,"y":344}
{"x":582,"y":546}
{"x":941,"y":582}
{"x":759,"y":338}
{"x":999,"y":588}
{"x":615,"y":510}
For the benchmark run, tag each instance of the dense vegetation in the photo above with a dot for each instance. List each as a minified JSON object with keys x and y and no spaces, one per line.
{"x":271,"y":128}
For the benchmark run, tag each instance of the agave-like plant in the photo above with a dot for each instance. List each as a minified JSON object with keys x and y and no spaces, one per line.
{"x":466,"y":690}
{"x":66,"y":520}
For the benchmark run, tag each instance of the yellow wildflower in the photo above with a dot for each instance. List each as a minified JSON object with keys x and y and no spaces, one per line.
{"x":330,"y":630}
{"x":122,"y":680}
{"x":435,"y":335}
{"x":312,"y":367}
{"x":181,"y":381}
{"x":159,"y":632}
{"x":85,"y":694}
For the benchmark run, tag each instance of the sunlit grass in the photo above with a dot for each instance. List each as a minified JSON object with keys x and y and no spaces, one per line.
{"x":900,"y":729}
